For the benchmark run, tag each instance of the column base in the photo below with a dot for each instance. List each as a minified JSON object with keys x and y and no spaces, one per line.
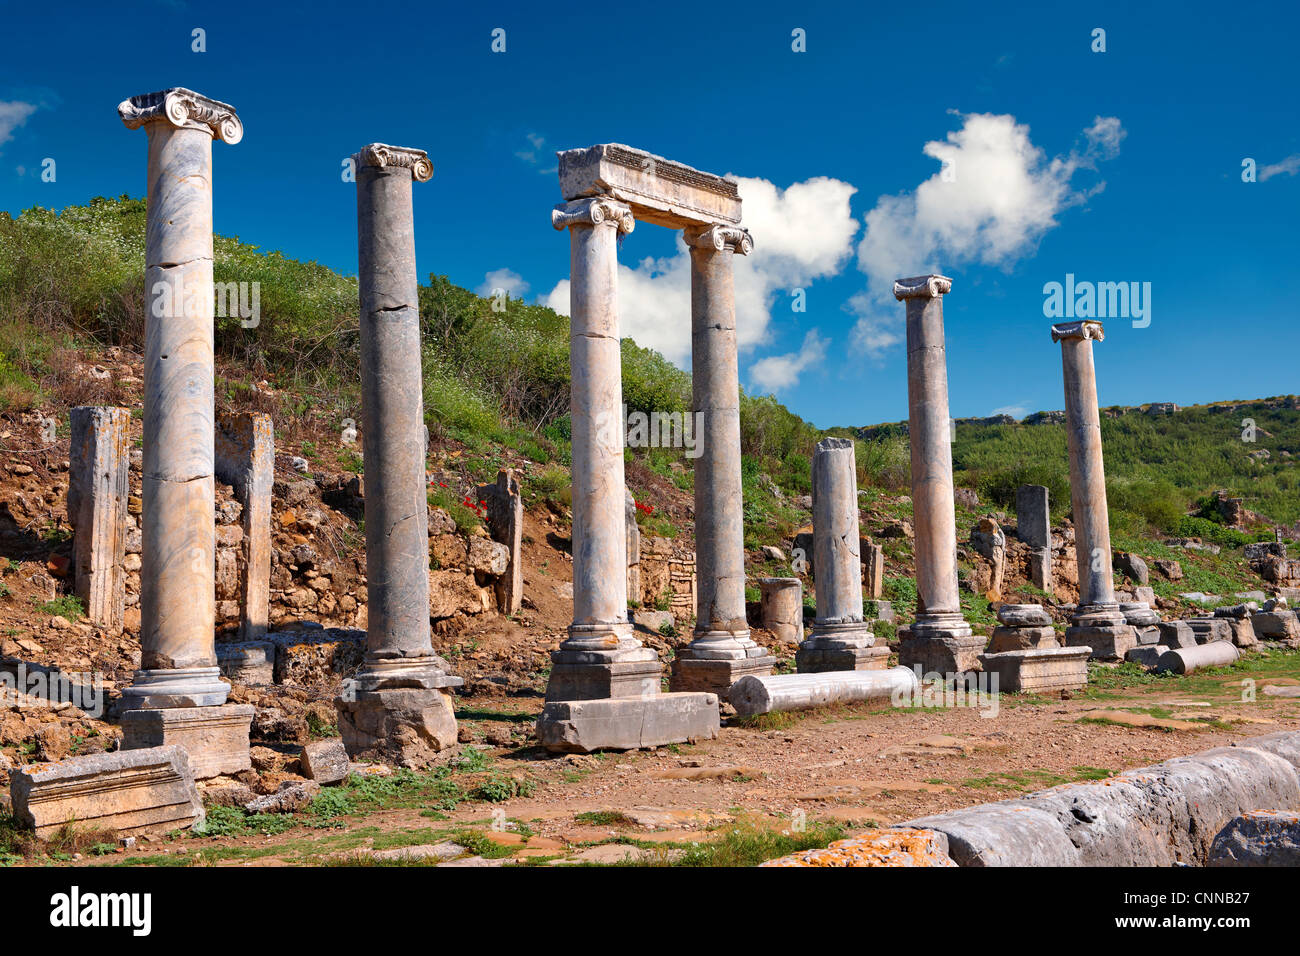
{"x":392,"y":673}
{"x":1038,"y":670}
{"x":584,"y":726}
{"x":214,"y":738}
{"x":1098,"y":615}
{"x":1109,"y":642}
{"x":175,"y":687}
{"x":627,"y":670}
{"x":408,"y":726}
{"x":942,"y":645}
{"x":714,"y":676}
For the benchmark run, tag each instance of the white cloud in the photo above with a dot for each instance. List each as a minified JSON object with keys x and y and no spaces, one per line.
{"x":13,"y":114}
{"x":511,"y":282}
{"x":1015,"y":411}
{"x":1289,"y":166}
{"x":536,"y":154}
{"x":781,"y":371}
{"x":802,"y":233}
{"x":994,"y":197}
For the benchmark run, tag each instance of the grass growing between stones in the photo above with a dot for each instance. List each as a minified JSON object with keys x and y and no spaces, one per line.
{"x":1029,"y":780}
{"x":744,"y":844}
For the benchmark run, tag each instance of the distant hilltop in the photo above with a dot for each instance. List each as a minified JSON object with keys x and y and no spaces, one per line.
{"x":1057,"y":417}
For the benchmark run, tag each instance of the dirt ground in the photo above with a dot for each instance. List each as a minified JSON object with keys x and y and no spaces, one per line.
{"x":855,"y":767}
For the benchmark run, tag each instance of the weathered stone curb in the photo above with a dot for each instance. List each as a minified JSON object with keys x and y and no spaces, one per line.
{"x":1154,"y":816}
{"x":1263,"y":838}
{"x":1163,"y":815}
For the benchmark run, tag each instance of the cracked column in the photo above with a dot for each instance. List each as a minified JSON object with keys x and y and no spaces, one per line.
{"x":398,"y":707}
{"x":841,"y":640}
{"x":177,"y":696}
{"x":1098,"y":621}
{"x":600,"y":658}
{"x":721,"y":650}
{"x":939,"y":640}
{"x":178,"y":568}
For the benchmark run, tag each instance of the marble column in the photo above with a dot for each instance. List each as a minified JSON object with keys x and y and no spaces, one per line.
{"x":721,"y":650}
{"x":98,"y":486}
{"x":1098,"y":621}
{"x":600,"y":658}
{"x":939,"y":640}
{"x":177,"y":596}
{"x":398,"y":704}
{"x":841,"y":639}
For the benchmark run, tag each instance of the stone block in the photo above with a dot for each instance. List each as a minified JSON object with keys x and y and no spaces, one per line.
{"x":710,"y":676}
{"x":214,"y":738}
{"x":1277,"y":625}
{"x":782,"y":692}
{"x":132,"y":792}
{"x":816,"y":660}
{"x":781,"y":608}
{"x":1022,"y":638}
{"x":325,"y":761}
{"x":1000,"y":834}
{"x":244,"y":458}
{"x":873,"y":571}
{"x":627,"y":723}
{"x":505,"y":521}
{"x":1209,"y":629}
{"x":1038,"y":670}
{"x":98,"y":488}
{"x":1109,"y":642}
{"x":247,"y":662}
{"x":659,"y":190}
{"x":1177,"y":634}
{"x":954,"y":654}
{"x":315,"y":656}
{"x":1033,"y":516}
{"x":1146,"y":655}
{"x":405,"y":726}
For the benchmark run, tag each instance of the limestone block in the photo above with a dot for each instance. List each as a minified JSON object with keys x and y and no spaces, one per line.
{"x":893,"y":847}
{"x":1001,"y":834}
{"x":1209,"y":629}
{"x":132,"y":792}
{"x":1109,"y":642}
{"x":781,"y":603}
{"x":1022,"y":638}
{"x":98,"y":489}
{"x":628,"y":723}
{"x":873,"y":571}
{"x":1147,"y":655}
{"x":1033,"y":516}
{"x":1277,"y":625}
{"x":1177,"y":634}
{"x":215,"y":738}
{"x":815,"y":658}
{"x":779,"y":692}
{"x":325,"y":761}
{"x":1038,"y":670}
{"x":407,"y":726}
{"x":488,"y":557}
{"x":1258,"y":838}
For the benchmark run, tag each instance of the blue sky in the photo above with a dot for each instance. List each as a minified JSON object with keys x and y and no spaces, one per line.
{"x":1115,"y":166}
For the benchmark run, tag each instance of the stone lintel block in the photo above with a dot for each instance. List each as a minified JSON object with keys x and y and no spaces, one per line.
{"x":598,"y":680}
{"x":1035,"y":670}
{"x":408,"y":726}
{"x":627,"y":723}
{"x":1109,"y":642}
{"x":132,"y":792}
{"x":1149,"y":634}
{"x":659,"y":190}
{"x":1022,"y":638}
{"x":247,"y":662}
{"x":939,"y":654}
{"x":814,"y":660}
{"x":214,"y":738}
{"x":1209,"y":629}
{"x":704,"y":675}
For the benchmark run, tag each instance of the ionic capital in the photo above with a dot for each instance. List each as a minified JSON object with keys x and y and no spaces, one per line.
{"x":1086,"y":329}
{"x":922,"y":287}
{"x":722,"y":237}
{"x":599,"y":210}
{"x":382,"y":155}
{"x":183,"y":109}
